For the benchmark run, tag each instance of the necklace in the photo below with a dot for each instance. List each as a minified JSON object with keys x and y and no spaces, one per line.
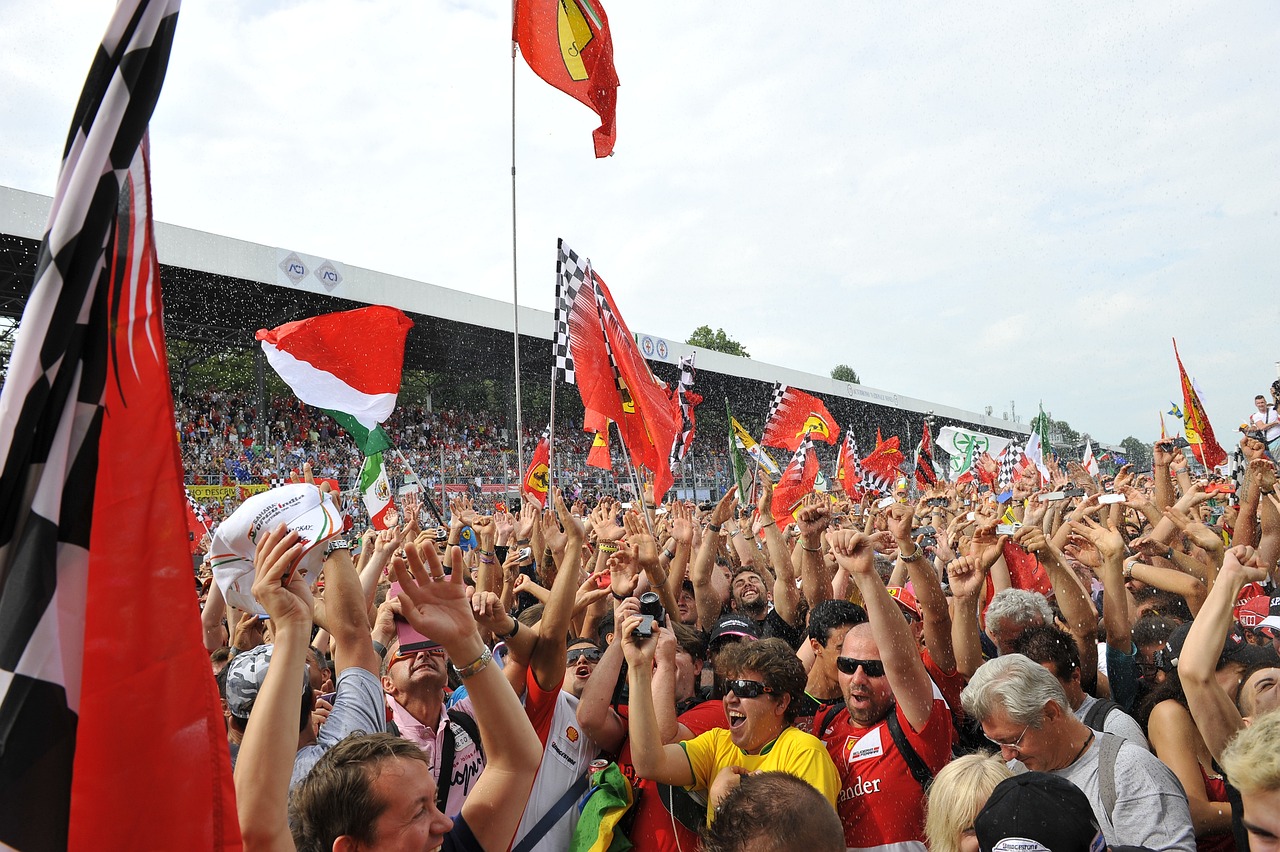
{"x":1087,"y":740}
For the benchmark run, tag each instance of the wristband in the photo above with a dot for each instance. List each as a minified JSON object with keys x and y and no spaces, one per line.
{"x":380,"y":648}
{"x":616,"y":596}
{"x":515,"y":628}
{"x":488,"y":561}
{"x":1264,"y":491}
{"x":715,"y":528}
{"x":475,"y":666}
{"x":607,"y":548}
{"x":670,"y":556}
{"x":913,"y":557}
{"x":770,"y":524}
{"x":817,"y":549}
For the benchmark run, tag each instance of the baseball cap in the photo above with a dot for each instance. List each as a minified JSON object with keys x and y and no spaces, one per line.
{"x":1236,"y":648}
{"x":734,"y":626}
{"x":906,"y":599}
{"x":1038,"y":812}
{"x":300,"y":507}
{"x":1252,"y":612}
{"x":246,"y":673}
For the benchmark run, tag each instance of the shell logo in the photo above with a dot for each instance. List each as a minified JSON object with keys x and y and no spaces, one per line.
{"x":572,"y":733}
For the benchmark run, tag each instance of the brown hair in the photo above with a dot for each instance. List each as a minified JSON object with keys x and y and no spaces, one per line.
{"x":777,"y":811}
{"x":336,"y":798}
{"x":775,"y":663}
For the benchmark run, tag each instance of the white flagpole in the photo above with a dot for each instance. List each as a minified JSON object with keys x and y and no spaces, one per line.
{"x":515,"y":285}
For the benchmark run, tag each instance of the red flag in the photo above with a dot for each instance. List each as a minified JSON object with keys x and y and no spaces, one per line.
{"x":926,"y":476}
{"x":537,"y":477}
{"x":1196,"y":423}
{"x":793,"y":414}
{"x":599,"y":454}
{"x":880,"y":468}
{"x":97,"y":591}
{"x":796,"y":481}
{"x":848,"y":467}
{"x":616,"y":383}
{"x":568,"y":44}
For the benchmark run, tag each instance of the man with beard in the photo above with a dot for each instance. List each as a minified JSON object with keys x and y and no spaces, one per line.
{"x":893,"y":734}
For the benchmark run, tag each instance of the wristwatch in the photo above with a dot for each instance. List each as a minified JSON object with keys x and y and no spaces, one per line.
{"x":336,"y":544}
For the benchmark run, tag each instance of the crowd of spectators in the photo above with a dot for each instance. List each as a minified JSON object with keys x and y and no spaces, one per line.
{"x":1080,"y":662}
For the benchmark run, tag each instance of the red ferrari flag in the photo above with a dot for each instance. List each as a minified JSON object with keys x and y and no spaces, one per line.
{"x":537,"y":477}
{"x":1195,"y":423}
{"x":96,"y":603}
{"x":849,"y":467}
{"x":568,"y":44}
{"x":594,"y":349}
{"x":796,"y":481}
{"x":925,"y":475}
{"x":793,"y":414}
{"x":880,"y":468}
{"x":599,"y":456}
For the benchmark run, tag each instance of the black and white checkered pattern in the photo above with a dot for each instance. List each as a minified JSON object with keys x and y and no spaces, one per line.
{"x":570,"y":275}
{"x":1238,"y":466}
{"x":201,"y":515}
{"x":775,"y":402}
{"x":278,"y":481}
{"x":51,"y":419}
{"x":685,"y":438}
{"x":1010,"y":461}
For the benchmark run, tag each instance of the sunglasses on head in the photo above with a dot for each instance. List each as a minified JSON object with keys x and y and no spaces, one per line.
{"x":746,"y":688}
{"x":591,"y":655}
{"x":850,"y":665}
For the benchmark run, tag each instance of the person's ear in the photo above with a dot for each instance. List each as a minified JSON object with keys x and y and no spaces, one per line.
{"x":780,"y":708}
{"x":815,"y":646}
{"x":345,"y":844}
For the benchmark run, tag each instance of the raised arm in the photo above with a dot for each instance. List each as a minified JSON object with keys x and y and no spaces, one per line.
{"x":786,"y":597}
{"x":548,"y":655}
{"x":705,"y":596}
{"x":651,"y":757}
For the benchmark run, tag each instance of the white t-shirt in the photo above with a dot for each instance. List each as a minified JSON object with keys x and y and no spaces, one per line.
{"x":1268,"y":423}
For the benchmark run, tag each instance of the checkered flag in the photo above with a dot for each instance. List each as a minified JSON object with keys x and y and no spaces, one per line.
{"x":570,"y":276}
{"x":1238,"y":467}
{"x":87,"y":403}
{"x":1010,"y":462}
{"x":687,"y":399}
{"x":775,"y":401}
{"x":278,"y":481}
{"x":201,"y":515}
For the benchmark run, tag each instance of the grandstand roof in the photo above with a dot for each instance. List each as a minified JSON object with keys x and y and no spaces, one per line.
{"x":206,"y":277}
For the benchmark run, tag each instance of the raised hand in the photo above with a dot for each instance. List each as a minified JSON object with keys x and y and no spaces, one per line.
{"x":641,"y":541}
{"x":986,"y":546}
{"x":604,"y":519}
{"x":282,"y":591}
{"x":435,"y":605}
{"x":967,"y":577}
{"x":854,"y":552}
{"x":814,"y":514}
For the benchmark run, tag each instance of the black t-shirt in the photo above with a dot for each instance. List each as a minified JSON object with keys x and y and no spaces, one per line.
{"x":772,"y":626}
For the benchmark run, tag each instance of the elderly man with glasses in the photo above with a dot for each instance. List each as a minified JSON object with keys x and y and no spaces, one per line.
{"x":894,"y":731}
{"x":1024,"y":712}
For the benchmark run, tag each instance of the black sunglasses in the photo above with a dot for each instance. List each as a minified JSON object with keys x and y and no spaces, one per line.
{"x":850,"y":665}
{"x":592,"y":655}
{"x":746,"y":688}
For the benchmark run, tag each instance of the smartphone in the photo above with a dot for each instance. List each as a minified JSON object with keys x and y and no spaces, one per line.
{"x":1110,"y":498}
{"x":936,"y":501}
{"x":1052,"y":497}
{"x":885,"y":503}
{"x":1179,"y":442}
{"x":929,"y":530}
{"x":1007,"y":529}
{"x":971,"y":516}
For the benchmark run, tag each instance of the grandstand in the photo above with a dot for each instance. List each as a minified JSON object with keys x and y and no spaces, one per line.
{"x":457,"y":414}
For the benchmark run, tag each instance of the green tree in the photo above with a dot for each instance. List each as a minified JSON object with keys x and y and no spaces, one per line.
{"x":1137,"y":453}
{"x":845,"y":373}
{"x":717,"y":340}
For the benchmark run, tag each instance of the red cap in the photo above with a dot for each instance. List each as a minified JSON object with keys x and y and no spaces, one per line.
{"x":905,"y":599}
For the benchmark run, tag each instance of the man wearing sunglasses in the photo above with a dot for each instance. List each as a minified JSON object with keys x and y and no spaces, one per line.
{"x":894,"y":731}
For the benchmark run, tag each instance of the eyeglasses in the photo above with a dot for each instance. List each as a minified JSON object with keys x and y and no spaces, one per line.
{"x":434,"y":651}
{"x":1015,"y":746}
{"x":591,"y":655}
{"x":850,"y":665}
{"x":747,"y":688}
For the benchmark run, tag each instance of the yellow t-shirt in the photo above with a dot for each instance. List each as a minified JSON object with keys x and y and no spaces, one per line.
{"x":794,"y":752}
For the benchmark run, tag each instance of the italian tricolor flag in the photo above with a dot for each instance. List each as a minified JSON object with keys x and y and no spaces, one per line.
{"x":375,"y":488}
{"x":346,"y":363}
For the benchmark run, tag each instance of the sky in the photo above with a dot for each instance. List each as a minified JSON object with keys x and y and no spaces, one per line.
{"x":973,"y":203}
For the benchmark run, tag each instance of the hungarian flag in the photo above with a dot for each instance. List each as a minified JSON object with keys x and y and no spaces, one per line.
{"x":793,"y":414}
{"x":798,"y":479}
{"x":346,"y":363}
{"x":849,"y":467}
{"x":537,"y":478}
{"x":925,"y":475}
{"x":743,"y":439}
{"x":599,"y":453}
{"x":375,"y":490}
{"x":594,"y":349}
{"x":111,"y":734}
{"x":880,"y":468}
{"x":567,"y":43}
{"x":1195,"y":422}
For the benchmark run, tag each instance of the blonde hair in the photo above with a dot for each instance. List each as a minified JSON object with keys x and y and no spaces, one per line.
{"x":956,"y":795}
{"x":1252,"y":760}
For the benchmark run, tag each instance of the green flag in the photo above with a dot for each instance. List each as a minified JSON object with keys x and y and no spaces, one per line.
{"x":739,"y":467}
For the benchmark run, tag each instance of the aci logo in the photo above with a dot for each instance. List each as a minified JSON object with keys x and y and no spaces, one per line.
{"x":293,"y":267}
{"x":328,"y":275}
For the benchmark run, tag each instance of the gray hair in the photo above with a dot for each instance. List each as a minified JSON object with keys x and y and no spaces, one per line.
{"x":1017,"y":605}
{"x":1015,"y":684}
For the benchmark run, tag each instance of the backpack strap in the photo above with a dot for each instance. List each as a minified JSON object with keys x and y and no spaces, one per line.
{"x":919,"y":769}
{"x":468,"y":724}
{"x":821,"y":722}
{"x":1098,"y":713}
{"x":552,"y":816}
{"x":1108,"y":750}
{"x":446,"y":768}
